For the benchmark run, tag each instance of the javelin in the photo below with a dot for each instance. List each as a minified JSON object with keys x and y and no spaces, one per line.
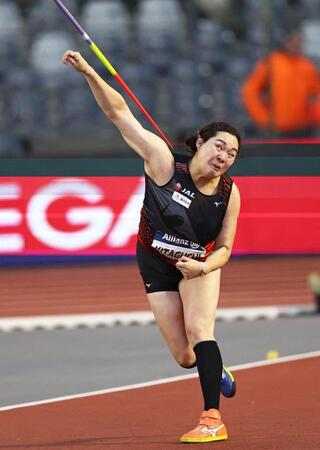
{"x":111,"y":69}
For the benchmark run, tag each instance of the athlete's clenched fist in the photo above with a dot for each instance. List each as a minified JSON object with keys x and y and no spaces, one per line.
{"x":76,"y":61}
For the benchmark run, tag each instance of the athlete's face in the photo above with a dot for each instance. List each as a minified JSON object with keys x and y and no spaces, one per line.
{"x":218,"y":153}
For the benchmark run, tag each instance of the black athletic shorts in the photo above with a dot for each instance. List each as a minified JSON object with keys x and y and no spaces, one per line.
{"x":157,"y":274}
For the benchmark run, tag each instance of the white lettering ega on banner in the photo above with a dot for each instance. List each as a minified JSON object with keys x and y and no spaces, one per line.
{"x":124,"y":229}
{"x":89,"y":215}
{"x":10,"y":242}
{"x":97,"y":219}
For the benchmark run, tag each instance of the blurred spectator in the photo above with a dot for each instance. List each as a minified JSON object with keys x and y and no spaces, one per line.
{"x":314,"y":284}
{"x":281,"y":92}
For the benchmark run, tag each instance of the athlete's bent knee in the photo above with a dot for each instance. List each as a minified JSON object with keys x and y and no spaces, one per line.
{"x":198,"y":335}
{"x":186,"y":362}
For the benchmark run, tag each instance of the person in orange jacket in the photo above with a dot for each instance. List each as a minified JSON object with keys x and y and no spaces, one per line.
{"x":281,"y":92}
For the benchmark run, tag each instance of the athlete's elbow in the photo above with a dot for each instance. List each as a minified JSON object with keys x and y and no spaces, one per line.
{"x":226,"y":254}
{"x":115,"y":111}
{"x":113,"y":114}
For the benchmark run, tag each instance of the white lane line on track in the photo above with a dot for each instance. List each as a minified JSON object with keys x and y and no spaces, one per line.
{"x":129,"y":387}
{"x":73,"y":321}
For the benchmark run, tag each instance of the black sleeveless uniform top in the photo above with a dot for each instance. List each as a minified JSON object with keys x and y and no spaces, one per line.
{"x":177,"y":219}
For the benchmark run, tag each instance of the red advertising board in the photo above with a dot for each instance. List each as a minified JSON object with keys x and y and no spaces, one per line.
{"x":279,"y":215}
{"x":100,"y":215}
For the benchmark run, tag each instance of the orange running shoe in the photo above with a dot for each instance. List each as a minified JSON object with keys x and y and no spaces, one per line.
{"x":210,"y":428}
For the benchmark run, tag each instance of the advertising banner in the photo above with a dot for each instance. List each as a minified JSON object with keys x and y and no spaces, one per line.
{"x":100,"y":215}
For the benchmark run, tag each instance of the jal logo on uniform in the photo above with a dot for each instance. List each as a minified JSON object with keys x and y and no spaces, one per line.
{"x":184,"y":191}
{"x":188,"y":193}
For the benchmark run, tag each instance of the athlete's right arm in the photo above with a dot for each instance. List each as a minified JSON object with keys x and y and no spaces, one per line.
{"x":154,"y":150}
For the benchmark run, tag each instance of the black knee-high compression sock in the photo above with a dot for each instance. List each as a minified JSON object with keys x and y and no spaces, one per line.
{"x":209,"y":363}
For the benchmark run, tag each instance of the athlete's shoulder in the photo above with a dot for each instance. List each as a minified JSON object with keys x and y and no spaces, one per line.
{"x":181,"y":157}
{"x":225,"y":184}
{"x":181,"y":161}
{"x":235,"y":190}
{"x":227,"y":179}
{"x":235,"y":197}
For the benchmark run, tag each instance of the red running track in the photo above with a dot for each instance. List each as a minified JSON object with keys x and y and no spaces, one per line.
{"x":276,"y":408}
{"x":101,"y":288}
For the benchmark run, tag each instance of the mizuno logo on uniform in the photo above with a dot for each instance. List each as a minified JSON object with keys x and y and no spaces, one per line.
{"x":148,"y":285}
{"x":218,"y":203}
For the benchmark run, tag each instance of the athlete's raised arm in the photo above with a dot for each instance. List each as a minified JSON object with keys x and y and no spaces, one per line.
{"x":158,"y":158}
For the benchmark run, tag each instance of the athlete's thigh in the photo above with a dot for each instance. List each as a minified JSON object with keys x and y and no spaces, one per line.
{"x":168,"y":312}
{"x":200,"y":297}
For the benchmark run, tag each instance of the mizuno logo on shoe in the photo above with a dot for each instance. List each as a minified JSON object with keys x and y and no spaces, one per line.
{"x":212,"y":430}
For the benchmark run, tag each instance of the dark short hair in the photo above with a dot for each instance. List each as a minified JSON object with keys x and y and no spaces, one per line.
{"x":208,"y":131}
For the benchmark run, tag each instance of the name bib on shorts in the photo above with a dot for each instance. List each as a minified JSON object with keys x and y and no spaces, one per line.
{"x":174,"y":247}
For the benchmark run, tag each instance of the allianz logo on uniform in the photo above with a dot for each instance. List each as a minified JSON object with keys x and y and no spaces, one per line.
{"x":179,"y":241}
{"x":174,"y":247}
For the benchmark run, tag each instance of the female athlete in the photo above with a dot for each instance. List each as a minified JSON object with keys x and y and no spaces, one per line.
{"x":187,"y":228}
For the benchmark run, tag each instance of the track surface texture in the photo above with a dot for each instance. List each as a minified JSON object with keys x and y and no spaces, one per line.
{"x":99,"y":288}
{"x":274,"y":409}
